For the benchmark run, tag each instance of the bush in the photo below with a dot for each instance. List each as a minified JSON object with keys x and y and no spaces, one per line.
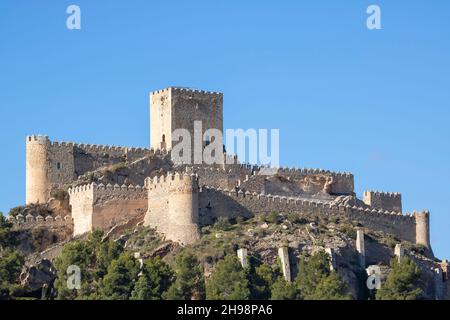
{"x":240,"y":220}
{"x":293,"y":217}
{"x":273,"y":217}
{"x":59,"y":195}
{"x":222,"y":224}
{"x":118,"y":166}
{"x":349,"y":231}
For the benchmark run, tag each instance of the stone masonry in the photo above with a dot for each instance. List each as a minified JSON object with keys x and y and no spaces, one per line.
{"x":177,"y":203}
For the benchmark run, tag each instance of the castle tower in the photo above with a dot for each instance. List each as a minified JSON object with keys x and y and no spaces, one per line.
{"x":383,"y":200}
{"x":173,"y":207}
{"x":179,"y":108}
{"x":423,"y":228}
{"x":36,"y":170}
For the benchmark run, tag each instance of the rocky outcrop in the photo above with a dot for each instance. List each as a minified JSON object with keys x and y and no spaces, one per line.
{"x":40,"y":275}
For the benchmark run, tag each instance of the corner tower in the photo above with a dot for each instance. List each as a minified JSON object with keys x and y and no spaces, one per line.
{"x":173,"y":207}
{"x":178,"y":108}
{"x":36,"y":169}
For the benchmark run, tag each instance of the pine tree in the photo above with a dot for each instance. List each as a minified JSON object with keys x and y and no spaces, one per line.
{"x":315,"y":279}
{"x":228,"y":282}
{"x":93,"y":258}
{"x":331,"y":288}
{"x":190,"y":282}
{"x":156,"y":278}
{"x":6,"y":234}
{"x":261,"y":278}
{"x":282,"y":290}
{"x":118,"y":283}
{"x":11,"y":263}
{"x":402,"y":281}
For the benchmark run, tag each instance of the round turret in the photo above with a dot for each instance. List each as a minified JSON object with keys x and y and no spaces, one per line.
{"x":36,"y":170}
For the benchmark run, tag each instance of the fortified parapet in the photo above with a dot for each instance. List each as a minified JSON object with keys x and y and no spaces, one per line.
{"x":173,"y":206}
{"x":216,"y":202}
{"x":383,"y":200}
{"x":53,"y":165}
{"x":102,"y":207}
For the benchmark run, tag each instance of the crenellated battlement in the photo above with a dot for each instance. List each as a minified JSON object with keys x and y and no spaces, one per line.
{"x":383,"y":200}
{"x":88,"y":148}
{"x":172,"y":180}
{"x":96,"y":206}
{"x":175,"y":202}
{"x":185,"y":90}
{"x":29,"y":221}
{"x":409,"y":227}
{"x":303,"y":204}
{"x":109,"y":188}
{"x":55,"y":165}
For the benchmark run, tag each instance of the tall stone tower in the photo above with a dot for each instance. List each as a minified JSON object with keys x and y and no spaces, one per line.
{"x":173,"y":207}
{"x":36,"y":170}
{"x":178,"y":108}
{"x":423,"y":228}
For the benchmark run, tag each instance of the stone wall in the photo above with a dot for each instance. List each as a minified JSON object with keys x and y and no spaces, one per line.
{"x":30,"y":221}
{"x":216,"y":202}
{"x":383,"y":200}
{"x":55,"y":165}
{"x":178,"y":108}
{"x":101,"y":207}
{"x":292,"y":182}
{"x":173,"y":207}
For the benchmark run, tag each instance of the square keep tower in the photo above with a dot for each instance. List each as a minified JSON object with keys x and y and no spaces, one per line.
{"x":178,"y":108}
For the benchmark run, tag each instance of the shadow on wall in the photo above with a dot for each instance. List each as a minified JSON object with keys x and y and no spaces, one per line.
{"x":214,"y":204}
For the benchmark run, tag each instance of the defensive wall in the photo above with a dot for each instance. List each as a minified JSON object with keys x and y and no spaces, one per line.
{"x":229,"y":203}
{"x":55,"y":165}
{"x":102,"y":207}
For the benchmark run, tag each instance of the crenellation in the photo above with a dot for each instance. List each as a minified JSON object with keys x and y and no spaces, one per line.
{"x":188,"y":196}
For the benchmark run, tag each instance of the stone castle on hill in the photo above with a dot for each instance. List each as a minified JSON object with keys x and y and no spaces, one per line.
{"x":110,"y":186}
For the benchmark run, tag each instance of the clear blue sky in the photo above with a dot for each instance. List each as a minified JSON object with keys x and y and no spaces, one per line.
{"x":375,"y":103}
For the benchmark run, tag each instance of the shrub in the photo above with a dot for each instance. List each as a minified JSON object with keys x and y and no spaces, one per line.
{"x":59,"y":195}
{"x":349,"y":231}
{"x":293,"y":217}
{"x":272,"y":217}
{"x":118,"y":166}
{"x":222,"y":224}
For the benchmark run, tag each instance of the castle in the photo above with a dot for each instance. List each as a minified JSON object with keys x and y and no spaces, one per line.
{"x":177,"y":199}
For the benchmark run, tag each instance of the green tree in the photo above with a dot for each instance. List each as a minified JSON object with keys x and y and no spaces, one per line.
{"x":93,"y":258}
{"x":190,"y":281}
{"x":11,"y":263}
{"x":331,"y":288}
{"x":261,"y":277}
{"x":402,"y":281}
{"x":315,"y":277}
{"x":6,"y":234}
{"x":228,"y":282}
{"x":79,"y":254}
{"x":118,"y":283}
{"x":282,"y":290}
{"x":156,"y":278}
